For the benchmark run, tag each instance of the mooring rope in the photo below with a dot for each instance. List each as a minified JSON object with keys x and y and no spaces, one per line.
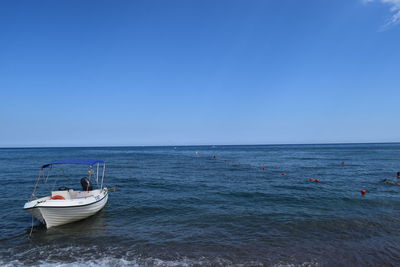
{"x":30,"y":234}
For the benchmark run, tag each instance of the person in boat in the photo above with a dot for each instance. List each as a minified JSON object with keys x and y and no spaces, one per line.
{"x":86,"y":184}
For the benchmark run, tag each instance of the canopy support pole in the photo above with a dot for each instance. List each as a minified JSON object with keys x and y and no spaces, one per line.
{"x":97,"y":174}
{"x":102,"y":178}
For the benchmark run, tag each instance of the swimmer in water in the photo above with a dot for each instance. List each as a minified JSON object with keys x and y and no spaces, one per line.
{"x":388,"y":181}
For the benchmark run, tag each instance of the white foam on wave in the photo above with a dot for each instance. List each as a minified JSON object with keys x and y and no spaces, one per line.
{"x":184,"y":262}
{"x":92,"y":263}
{"x":93,"y":256}
{"x":111,"y":261}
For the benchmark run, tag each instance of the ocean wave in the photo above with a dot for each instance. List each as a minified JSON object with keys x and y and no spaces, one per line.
{"x":185,"y":262}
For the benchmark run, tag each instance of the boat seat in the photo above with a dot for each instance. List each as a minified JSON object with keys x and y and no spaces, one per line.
{"x":82,"y":194}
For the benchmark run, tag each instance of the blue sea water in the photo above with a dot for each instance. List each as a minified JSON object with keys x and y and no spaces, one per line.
{"x":215,"y":206}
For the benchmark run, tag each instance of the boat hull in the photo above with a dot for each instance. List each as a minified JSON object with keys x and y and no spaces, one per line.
{"x":59,"y":215}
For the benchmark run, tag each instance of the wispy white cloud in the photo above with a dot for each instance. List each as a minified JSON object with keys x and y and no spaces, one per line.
{"x":394,"y":8}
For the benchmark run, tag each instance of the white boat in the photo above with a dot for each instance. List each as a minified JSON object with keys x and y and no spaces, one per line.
{"x":66,"y":205}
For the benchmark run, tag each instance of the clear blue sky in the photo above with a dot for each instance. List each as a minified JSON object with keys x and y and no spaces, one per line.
{"x":86,"y":73}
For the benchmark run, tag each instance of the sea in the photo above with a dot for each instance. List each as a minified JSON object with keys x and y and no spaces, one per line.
{"x":214,"y":206}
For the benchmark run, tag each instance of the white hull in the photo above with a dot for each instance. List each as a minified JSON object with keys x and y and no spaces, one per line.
{"x":59,"y":212}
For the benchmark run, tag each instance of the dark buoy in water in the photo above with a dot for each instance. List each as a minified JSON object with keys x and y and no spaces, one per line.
{"x":363,"y":192}
{"x":311,"y":179}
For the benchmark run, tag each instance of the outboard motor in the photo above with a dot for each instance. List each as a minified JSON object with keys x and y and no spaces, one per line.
{"x":86,"y":185}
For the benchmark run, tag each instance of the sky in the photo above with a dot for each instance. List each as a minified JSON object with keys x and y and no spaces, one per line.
{"x":197,"y":72}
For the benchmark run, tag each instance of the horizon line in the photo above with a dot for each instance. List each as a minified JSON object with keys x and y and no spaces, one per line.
{"x":197,"y":145}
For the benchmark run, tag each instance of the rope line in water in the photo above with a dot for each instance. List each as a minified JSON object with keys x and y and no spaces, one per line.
{"x":264,"y":168}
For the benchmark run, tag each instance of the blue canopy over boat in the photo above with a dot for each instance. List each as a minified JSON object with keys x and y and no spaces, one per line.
{"x":73,"y":161}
